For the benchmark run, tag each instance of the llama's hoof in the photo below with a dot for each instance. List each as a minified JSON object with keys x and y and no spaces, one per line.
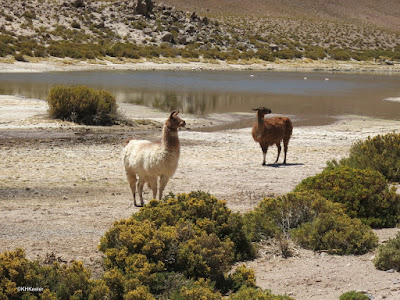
{"x":263,"y":164}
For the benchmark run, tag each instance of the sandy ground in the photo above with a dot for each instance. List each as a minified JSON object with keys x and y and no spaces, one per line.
{"x":63,"y":185}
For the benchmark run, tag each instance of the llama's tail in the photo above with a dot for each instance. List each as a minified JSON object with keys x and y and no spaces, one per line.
{"x":289,"y":127}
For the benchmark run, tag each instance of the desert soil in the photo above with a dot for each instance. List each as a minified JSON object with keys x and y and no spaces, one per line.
{"x":63,"y":185}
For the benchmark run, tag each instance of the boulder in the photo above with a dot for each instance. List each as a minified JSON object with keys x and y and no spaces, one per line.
{"x":148,"y":31}
{"x":167,"y":37}
{"x":144,"y":7}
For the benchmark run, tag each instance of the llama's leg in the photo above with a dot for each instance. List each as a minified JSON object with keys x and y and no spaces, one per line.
{"x":163,"y":182}
{"x":132,"y":183}
{"x":153,"y":186}
{"x":285,"y":148}
{"x":140,"y":190}
{"x":279,"y":151}
{"x":264,"y":149}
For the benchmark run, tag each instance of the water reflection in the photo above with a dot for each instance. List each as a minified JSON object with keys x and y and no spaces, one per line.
{"x":314,"y":100}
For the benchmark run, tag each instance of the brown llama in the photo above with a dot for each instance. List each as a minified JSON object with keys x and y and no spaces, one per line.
{"x":150,"y":160}
{"x":271,"y":131}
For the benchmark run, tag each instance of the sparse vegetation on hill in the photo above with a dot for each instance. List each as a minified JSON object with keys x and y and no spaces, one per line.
{"x":124,"y":29}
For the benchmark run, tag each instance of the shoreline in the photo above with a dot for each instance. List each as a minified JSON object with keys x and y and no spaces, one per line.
{"x":296,"y":65}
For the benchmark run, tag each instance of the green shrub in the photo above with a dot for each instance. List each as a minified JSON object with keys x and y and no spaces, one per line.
{"x":242,"y":276}
{"x":274,"y":216}
{"x":19,"y":57}
{"x":58,"y":281}
{"x":174,"y":242}
{"x":353,"y":295}
{"x":199,"y":290}
{"x":313,"y":222}
{"x":207,"y":213}
{"x":340,"y":54}
{"x":336,"y":233}
{"x":364,"y":194}
{"x":256,"y":294}
{"x":82,"y":105}
{"x":380,"y":153}
{"x":388,"y":256}
{"x":315,"y":53}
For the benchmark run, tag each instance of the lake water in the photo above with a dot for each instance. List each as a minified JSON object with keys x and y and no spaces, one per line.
{"x":310,"y":98}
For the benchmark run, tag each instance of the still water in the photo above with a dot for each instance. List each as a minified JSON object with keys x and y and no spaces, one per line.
{"x":313,"y":98}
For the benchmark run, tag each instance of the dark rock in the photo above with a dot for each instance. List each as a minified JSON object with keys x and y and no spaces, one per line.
{"x":193,"y":16}
{"x":78,"y":3}
{"x":144,"y":7}
{"x":182,"y":39}
{"x":205,"y":21}
{"x":190,"y":29}
{"x":167,"y":37}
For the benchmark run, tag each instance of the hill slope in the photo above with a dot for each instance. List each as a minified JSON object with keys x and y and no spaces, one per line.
{"x":227,"y":30}
{"x":380,"y":14}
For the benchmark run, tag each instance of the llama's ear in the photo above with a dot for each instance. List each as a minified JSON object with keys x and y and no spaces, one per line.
{"x":255,"y":109}
{"x":172,"y":113}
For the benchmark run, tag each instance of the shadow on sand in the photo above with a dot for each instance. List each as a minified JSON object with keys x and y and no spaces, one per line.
{"x":283,"y":165}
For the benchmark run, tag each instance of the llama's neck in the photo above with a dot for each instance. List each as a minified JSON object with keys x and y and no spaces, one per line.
{"x":170,"y":140}
{"x":260,"y":121}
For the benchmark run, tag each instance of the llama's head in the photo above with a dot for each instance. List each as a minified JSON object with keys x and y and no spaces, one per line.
{"x":262,"y":111}
{"x":174,"y":121}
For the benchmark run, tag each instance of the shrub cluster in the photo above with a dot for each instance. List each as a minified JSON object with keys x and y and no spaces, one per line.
{"x":58,"y":282}
{"x":192,"y":234}
{"x":313,"y":222}
{"x":364,"y":194}
{"x":82,"y":105}
{"x":388,"y":256}
{"x":380,"y":153}
{"x":353,"y":295}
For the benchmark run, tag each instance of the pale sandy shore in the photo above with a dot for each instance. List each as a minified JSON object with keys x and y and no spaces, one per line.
{"x":297,"y":65}
{"x":63,"y":185}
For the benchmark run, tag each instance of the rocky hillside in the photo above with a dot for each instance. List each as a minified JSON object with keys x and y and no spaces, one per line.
{"x":227,"y":30}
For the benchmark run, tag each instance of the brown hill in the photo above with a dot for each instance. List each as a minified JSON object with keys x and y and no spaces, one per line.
{"x":381,"y":14}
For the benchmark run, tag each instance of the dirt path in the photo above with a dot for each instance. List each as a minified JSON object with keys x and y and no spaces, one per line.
{"x":63,"y":186}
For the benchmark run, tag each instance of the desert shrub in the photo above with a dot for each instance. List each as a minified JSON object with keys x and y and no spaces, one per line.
{"x":313,"y":222}
{"x":82,"y":105}
{"x":198,"y":290}
{"x":339,"y":54}
{"x":353,"y":295}
{"x":127,"y":50}
{"x":242,"y":276}
{"x":364,"y":194}
{"x":6,"y":43}
{"x":256,"y":294}
{"x":336,"y":233}
{"x":58,"y":281}
{"x":285,"y":54}
{"x":19,"y":57}
{"x":206,"y":212}
{"x":74,"y":50}
{"x":277,"y":216}
{"x":171,"y":244}
{"x":380,"y":153}
{"x":388,"y":256}
{"x":315,"y":53}
{"x":264,"y":54}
